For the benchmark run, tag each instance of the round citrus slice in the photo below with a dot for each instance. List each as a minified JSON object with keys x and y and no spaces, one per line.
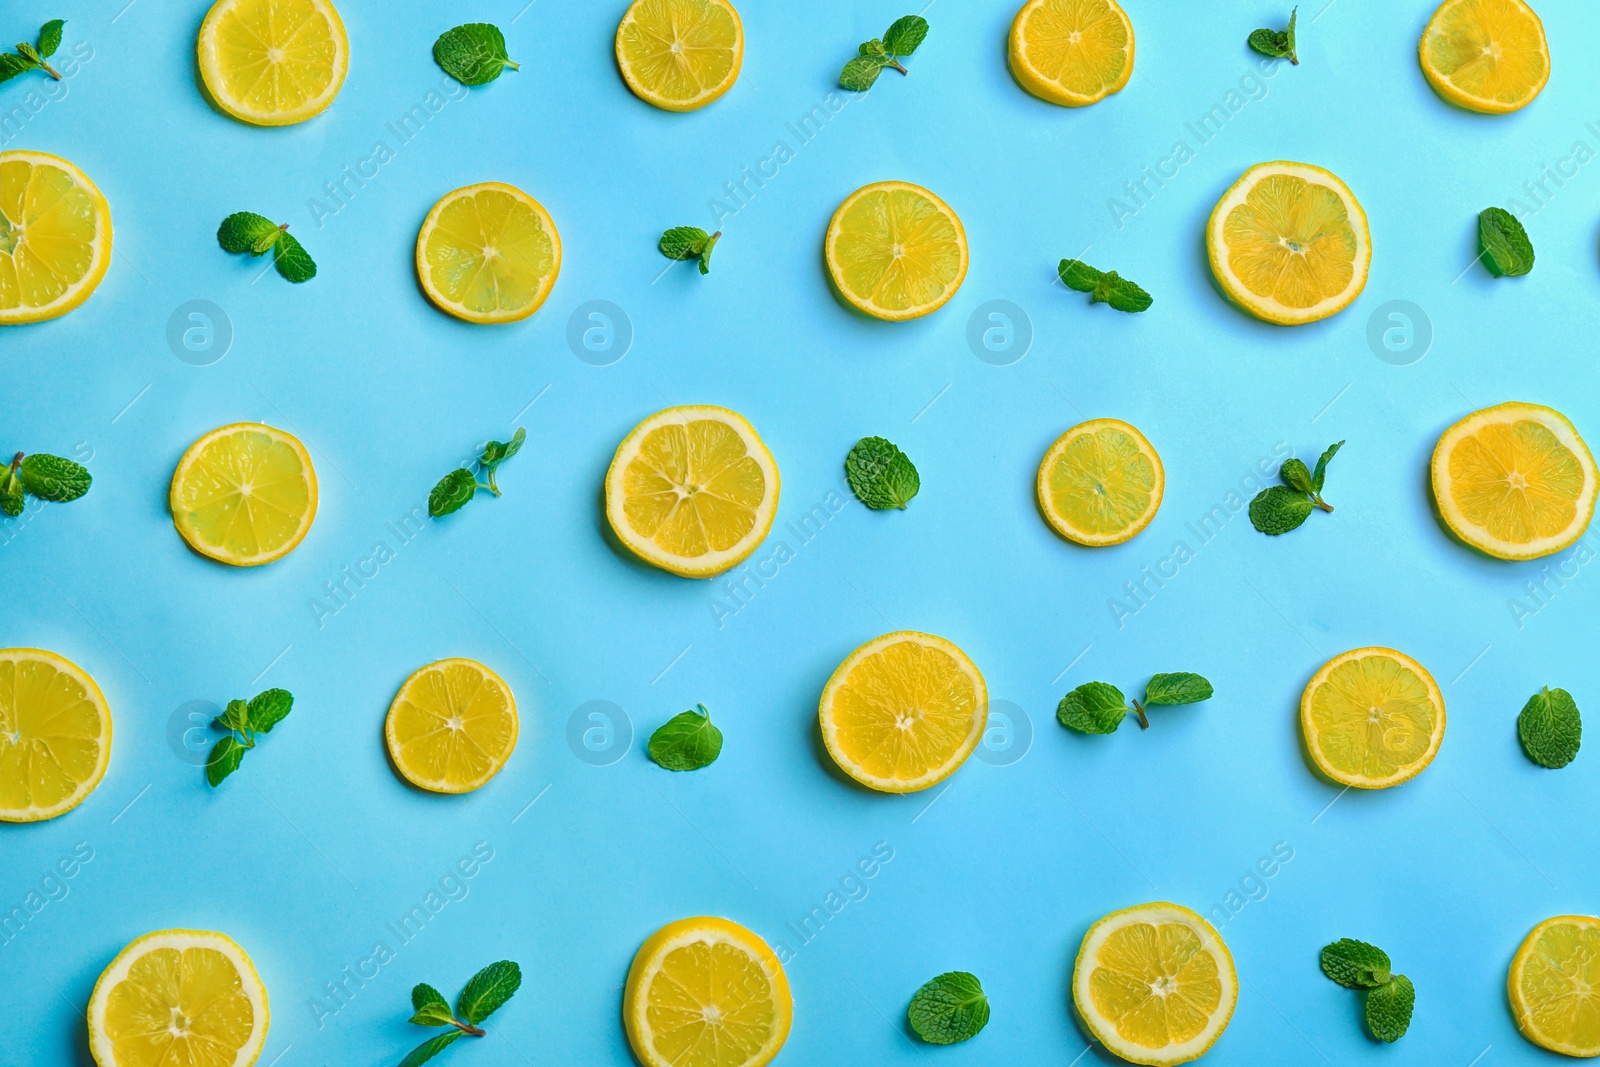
{"x":179,"y":996}
{"x":1554,"y":984}
{"x":55,"y":735}
{"x":1071,"y":52}
{"x":1515,"y":481}
{"x":452,"y":726}
{"x":1289,"y":243}
{"x":1372,"y":718}
{"x":488,"y":253}
{"x":1155,"y":984}
{"x":244,"y":494}
{"x":680,"y":54}
{"x":1485,"y":55}
{"x":706,"y":992}
{"x":903,"y":711}
{"x":273,"y":62}
{"x":692,"y":490}
{"x":896,"y":251}
{"x":1100,"y":483}
{"x":55,"y":237}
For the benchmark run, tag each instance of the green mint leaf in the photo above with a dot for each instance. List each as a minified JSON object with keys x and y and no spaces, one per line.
{"x":683,"y":242}
{"x":50,"y":37}
{"x":11,"y":498}
{"x":1289,"y":37}
{"x":236,"y":716}
{"x":1077,"y":275}
{"x":497,"y":452}
{"x":472,"y":54}
{"x":431,"y":1007}
{"x":949,"y":1008}
{"x":880,"y":475}
{"x":30,"y":53}
{"x":687,"y":742}
{"x":12,"y":64}
{"x":1506,"y":250}
{"x":1092,"y":708}
{"x":452,"y":492}
{"x":1179,"y":688}
{"x":53,"y":478}
{"x":1294,"y":473}
{"x":1279,"y":509}
{"x":268,"y":709}
{"x":487,"y":990}
{"x":1267,"y":42}
{"x":1389,"y":1008}
{"x":244,"y":231}
{"x":292,"y":260}
{"x":1550,"y":728}
{"x":705,"y":253}
{"x":873,"y":47}
{"x":905,"y":35}
{"x":1322,"y":466}
{"x":430,"y":1048}
{"x":1120,"y":293}
{"x":861,"y":72}
{"x":226,"y":755}
{"x":1355,"y":964}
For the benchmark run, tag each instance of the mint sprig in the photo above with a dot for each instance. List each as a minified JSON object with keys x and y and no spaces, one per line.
{"x":244,"y":720}
{"x":1281,"y":508}
{"x":473,"y":53}
{"x":687,"y":741}
{"x":485,"y":993}
{"x":872,"y":56}
{"x":1100,"y":707}
{"x":1503,"y":243}
{"x":880,"y":475}
{"x":245,"y":231}
{"x":949,"y":1008}
{"x":1550,"y":728}
{"x":455,"y":489}
{"x":1390,"y":997}
{"x":46,"y":477}
{"x":32,"y":56}
{"x":690,"y":242}
{"x":1103,"y":287}
{"x":1278,"y":44}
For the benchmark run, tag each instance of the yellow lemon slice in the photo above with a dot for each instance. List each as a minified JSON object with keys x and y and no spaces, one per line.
{"x":55,"y":735}
{"x":452,"y":726}
{"x":1071,"y":52}
{"x":903,"y":711}
{"x":55,"y":237}
{"x":1554,"y":985}
{"x":896,"y":251}
{"x":1372,"y":718}
{"x":273,"y":62}
{"x":1289,"y":243}
{"x":1485,"y":55}
{"x":706,"y":992}
{"x":488,"y":253}
{"x":1515,"y":481}
{"x":680,"y":54}
{"x":1155,"y":984}
{"x":692,"y":490}
{"x":1100,"y":483}
{"x":244,"y":494}
{"x":179,"y":997}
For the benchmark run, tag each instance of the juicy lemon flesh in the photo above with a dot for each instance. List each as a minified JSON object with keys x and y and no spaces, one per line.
{"x":49,"y":227}
{"x":246,"y":494}
{"x":275,"y":55}
{"x":453,"y":724}
{"x":1488,"y":49}
{"x":490,"y":253}
{"x":903,"y":711}
{"x":1516,"y":481}
{"x":1101,"y":482}
{"x":693,"y":488}
{"x":1291,"y":241}
{"x":710,"y":1005}
{"x":1560,"y":986}
{"x":50,"y":735}
{"x":179,"y":1008}
{"x":1080,"y":45}
{"x":1373,"y":716}
{"x":679,"y":49}
{"x":897,"y":250}
{"x":1157,"y":984}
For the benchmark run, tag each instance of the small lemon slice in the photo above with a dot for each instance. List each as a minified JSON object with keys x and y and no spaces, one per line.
{"x":55,"y":237}
{"x":1100,"y":483}
{"x":1485,"y":55}
{"x":1515,"y":481}
{"x":896,"y":251}
{"x":706,"y":992}
{"x":1372,"y":718}
{"x":680,"y":55}
{"x":179,"y":997}
{"x":1071,"y":52}
{"x":1155,"y":984}
{"x":488,"y":253}
{"x":1554,"y":984}
{"x":452,"y":726}
{"x":273,"y":62}
{"x":244,"y":494}
{"x":55,"y":735}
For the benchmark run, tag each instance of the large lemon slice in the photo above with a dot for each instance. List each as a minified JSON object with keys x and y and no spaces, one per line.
{"x":244,"y":494}
{"x":1554,"y":984}
{"x":55,"y":735}
{"x":1071,"y":52}
{"x":55,"y":237}
{"x":273,"y":62}
{"x":452,"y":726}
{"x":680,"y":54}
{"x":1100,"y":483}
{"x":1485,"y":55}
{"x":488,"y":253}
{"x":1372,"y":718}
{"x":896,"y":251}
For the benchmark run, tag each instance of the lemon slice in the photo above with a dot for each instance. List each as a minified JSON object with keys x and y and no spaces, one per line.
{"x":452,"y":726}
{"x":488,"y":253}
{"x":244,"y":494}
{"x":1515,"y":481}
{"x":1485,"y":55}
{"x":692,"y":490}
{"x":706,"y":992}
{"x":1554,"y":985}
{"x":55,"y":237}
{"x":273,"y":62}
{"x":903,"y":711}
{"x":1100,"y":483}
{"x":1372,"y":718}
{"x":896,"y":251}
{"x":1155,"y":984}
{"x":1071,"y":52}
{"x":680,"y":55}
{"x":55,"y":735}
{"x":1289,"y":243}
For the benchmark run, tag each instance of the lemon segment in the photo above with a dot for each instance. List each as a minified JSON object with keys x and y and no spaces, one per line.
{"x":452,"y":726}
{"x":55,"y":735}
{"x":488,"y":253}
{"x":1372,"y":718}
{"x":1554,"y":985}
{"x":680,"y":55}
{"x":55,"y":237}
{"x":1289,"y":243}
{"x":179,"y":997}
{"x":896,"y":251}
{"x":1515,"y":481}
{"x":244,"y":494}
{"x":273,"y":62}
{"x":1155,"y":984}
{"x":1071,"y":52}
{"x":903,"y":711}
{"x":706,"y":992}
{"x":1485,"y":55}
{"x":1100,"y":483}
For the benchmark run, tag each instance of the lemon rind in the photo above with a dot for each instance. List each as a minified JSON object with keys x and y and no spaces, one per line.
{"x":1357,"y":781}
{"x":440,"y":785}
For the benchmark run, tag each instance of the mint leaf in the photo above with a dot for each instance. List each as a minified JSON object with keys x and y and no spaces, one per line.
{"x":1550,"y":728}
{"x":245,"y":231}
{"x":472,"y":54}
{"x":1294,"y":473}
{"x":1121,"y":294}
{"x":949,"y":1008}
{"x":30,"y":53}
{"x":1355,"y":964}
{"x":452,"y":492}
{"x":1389,"y":1008}
{"x":1078,"y":275}
{"x":873,"y":47}
{"x":1279,"y":509}
{"x":267,"y":709}
{"x":431,"y":1007}
{"x":1322,"y":467}
{"x":226,"y":755}
{"x":430,"y":1048}
{"x":1506,"y":249}
{"x":1289,"y":37}
{"x":292,"y":260}
{"x":53,"y":478}
{"x":236,"y":716}
{"x":497,"y":452}
{"x":50,"y":37}
{"x":1092,"y":708}
{"x":11,"y":498}
{"x":1179,"y":688}
{"x":12,"y":64}
{"x":861,"y":72}
{"x":905,"y":35}
{"x":683,"y":242}
{"x":487,"y":990}
{"x":1278,"y":44}
{"x":687,"y":742}
{"x":705,"y":253}
{"x":880,"y":475}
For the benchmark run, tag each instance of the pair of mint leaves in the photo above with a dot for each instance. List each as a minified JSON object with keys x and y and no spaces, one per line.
{"x":690,"y":242}
{"x":46,"y":477}
{"x":1503,"y":243}
{"x":245,"y":231}
{"x":1103,"y":287}
{"x":483,"y":996}
{"x":880,"y":475}
{"x":1278,"y":44}
{"x":473,"y":53}
{"x":1281,"y":508}
{"x":461,"y":485}
{"x":687,"y":741}
{"x":1099,"y":707}
{"x":901,"y":39}
{"x":949,"y":1008}
{"x":1390,"y":997}
{"x":32,"y":56}
{"x":1550,"y":728}
{"x":244,"y":720}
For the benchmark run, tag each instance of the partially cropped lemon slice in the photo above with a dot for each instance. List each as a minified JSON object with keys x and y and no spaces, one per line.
{"x":55,"y":237}
{"x":1485,"y":55}
{"x":1515,"y":481}
{"x":896,"y":251}
{"x":55,"y":735}
{"x":488,"y":253}
{"x":1100,"y":483}
{"x":244,"y":494}
{"x":179,"y":997}
{"x":1071,"y":52}
{"x":1372,"y":718}
{"x":1289,"y":243}
{"x":452,"y":726}
{"x":680,"y":54}
{"x":273,"y":62}
{"x":1554,"y":985}
{"x":706,"y":992}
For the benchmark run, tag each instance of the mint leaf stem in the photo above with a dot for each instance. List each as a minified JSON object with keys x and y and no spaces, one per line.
{"x":1138,"y":709}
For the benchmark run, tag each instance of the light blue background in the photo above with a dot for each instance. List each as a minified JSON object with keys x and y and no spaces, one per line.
{"x":315,"y":845}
